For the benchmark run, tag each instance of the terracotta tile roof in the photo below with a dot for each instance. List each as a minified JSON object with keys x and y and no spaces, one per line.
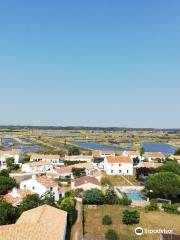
{"x":11,"y":152}
{"x":86,"y":179}
{"x":18,"y":197}
{"x":41,"y":223}
{"x":154,"y":154}
{"x":119,"y":159}
{"x":34,"y":164}
{"x":151,"y":165}
{"x":129,"y":153}
{"x":176,"y":157}
{"x":10,"y":199}
{"x":47,"y":182}
{"x":63,"y":170}
{"x":83,"y":165}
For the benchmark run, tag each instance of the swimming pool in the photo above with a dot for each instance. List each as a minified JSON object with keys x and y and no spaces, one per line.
{"x":135,"y":196}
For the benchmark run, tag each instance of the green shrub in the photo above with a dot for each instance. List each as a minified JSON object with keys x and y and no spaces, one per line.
{"x":93,"y":196}
{"x":77,"y":192}
{"x":106,"y":220}
{"x":153,"y":205}
{"x":111,"y":235}
{"x":130,"y":217}
{"x":111,"y":196}
{"x":125,"y":201}
{"x":171,"y":208}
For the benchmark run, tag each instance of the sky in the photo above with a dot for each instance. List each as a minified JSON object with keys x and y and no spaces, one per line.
{"x":90,"y":63}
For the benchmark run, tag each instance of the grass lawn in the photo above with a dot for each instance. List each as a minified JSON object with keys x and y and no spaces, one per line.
{"x":151,"y":220}
{"x":118,"y":180}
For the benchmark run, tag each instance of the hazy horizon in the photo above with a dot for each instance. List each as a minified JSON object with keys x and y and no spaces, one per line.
{"x":105,"y":63}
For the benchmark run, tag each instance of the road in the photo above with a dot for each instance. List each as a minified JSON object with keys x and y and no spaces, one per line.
{"x":77,"y":229}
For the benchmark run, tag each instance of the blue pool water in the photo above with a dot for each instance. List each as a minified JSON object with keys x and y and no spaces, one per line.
{"x":135,"y":196}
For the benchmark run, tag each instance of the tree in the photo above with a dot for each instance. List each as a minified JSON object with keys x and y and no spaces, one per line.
{"x":170,"y":166}
{"x":130,"y":217}
{"x":4,"y":173}
{"x":68,"y":204}
{"x":78,"y":172}
{"x":111,"y":196}
{"x":26,"y":159}
{"x":48,"y":198}
{"x":93,"y":196}
{"x":125,"y":201}
{"x":153,"y":205}
{"x":8,"y":213}
{"x":10,"y":162}
{"x":136,"y":161}
{"x":142,"y":151}
{"x":111,"y":235}
{"x":143,"y":171}
{"x":106,"y":220}
{"x":177,"y":152}
{"x":163,"y":185}
{"x":73,"y":150}
{"x":117,"y":153}
{"x":31,"y":201}
{"x":6,"y":184}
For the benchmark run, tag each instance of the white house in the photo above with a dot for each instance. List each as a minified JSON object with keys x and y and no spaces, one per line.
{"x":53,"y":159}
{"x":41,"y":185}
{"x":98,"y":158}
{"x":62,"y":172}
{"x":88,"y":166}
{"x":131,"y":154}
{"x":85,"y":183}
{"x":118,"y":165}
{"x":37,"y":167}
{"x":14,"y":153}
{"x":154,"y":156}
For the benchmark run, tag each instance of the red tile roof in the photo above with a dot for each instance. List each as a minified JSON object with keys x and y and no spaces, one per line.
{"x":119,"y":159}
{"x":86,"y":179}
{"x":63,"y":170}
{"x":47,"y":182}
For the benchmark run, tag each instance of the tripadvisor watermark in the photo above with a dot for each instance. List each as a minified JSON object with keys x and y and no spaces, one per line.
{"x":140,"y":231}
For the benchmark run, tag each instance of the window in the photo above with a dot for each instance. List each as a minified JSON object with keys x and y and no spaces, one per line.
{"x":33,"y":188}
{"x":51,"y":188}
{"x":111,"y":171}
{"x":119,"y":164}
{"x":24,"y":186}
{"x":112,"y":165}
{"x":119,"y":171}
{"x":127,"y":171}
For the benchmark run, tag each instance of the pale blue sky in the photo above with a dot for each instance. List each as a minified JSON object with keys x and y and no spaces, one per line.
{"x":95,"y":63}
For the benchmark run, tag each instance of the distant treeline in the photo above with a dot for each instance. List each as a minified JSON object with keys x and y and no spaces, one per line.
{"x":16,"y":128}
